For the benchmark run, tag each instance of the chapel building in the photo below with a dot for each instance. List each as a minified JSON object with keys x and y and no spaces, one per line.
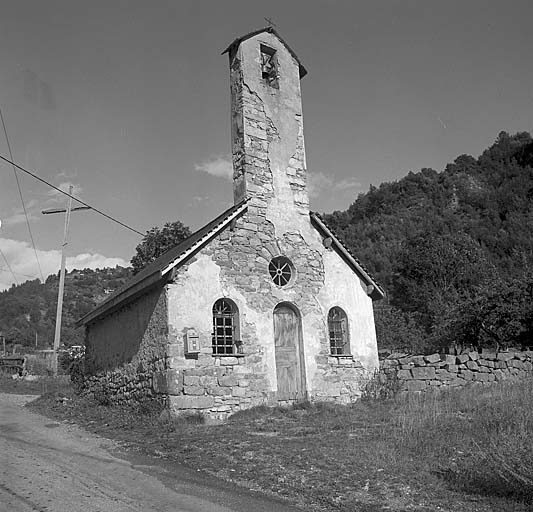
{"x":263,"y":305}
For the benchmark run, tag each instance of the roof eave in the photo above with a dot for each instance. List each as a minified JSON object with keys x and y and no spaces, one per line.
{"x":374,"y":290}
{"x":236,"y":42}
{"x":129,"y":293}
{"x":121,"y":299}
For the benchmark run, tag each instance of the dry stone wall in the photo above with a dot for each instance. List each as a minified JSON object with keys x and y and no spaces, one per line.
{"x":417,"y":373}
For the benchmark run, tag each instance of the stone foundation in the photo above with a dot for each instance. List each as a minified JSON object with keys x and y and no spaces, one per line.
{"x":216,"y":386}
{"x":341,"y":379}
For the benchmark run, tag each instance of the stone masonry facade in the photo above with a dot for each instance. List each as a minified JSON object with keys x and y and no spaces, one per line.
{"x":270,"y":173}
{"x":238,"y":259}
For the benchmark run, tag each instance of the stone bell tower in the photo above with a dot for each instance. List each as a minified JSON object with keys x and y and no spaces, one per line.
{"x":266,"y":126}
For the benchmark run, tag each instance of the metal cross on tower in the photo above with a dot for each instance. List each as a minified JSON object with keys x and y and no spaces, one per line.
{"x":270,"y":22}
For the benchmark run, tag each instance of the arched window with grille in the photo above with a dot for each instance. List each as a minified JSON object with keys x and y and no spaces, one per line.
{"x":225,"y":327}
{"x":338,"y":332}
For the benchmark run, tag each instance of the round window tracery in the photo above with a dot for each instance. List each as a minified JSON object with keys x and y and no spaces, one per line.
{"x":281,"y":270}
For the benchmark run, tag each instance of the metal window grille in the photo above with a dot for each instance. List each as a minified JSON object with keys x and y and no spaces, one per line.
{"x":224,"y":314}
{"x":338,"y":331}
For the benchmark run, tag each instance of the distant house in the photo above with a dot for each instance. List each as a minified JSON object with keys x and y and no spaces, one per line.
{"x":262,"y":305}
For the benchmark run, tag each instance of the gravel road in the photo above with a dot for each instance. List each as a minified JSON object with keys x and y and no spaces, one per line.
{"x":47,"y":466}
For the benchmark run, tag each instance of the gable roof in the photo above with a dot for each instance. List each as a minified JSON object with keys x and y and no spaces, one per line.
{"x":159,"y":269}
{"x":375,"y":291}
{"x":234,"y":45}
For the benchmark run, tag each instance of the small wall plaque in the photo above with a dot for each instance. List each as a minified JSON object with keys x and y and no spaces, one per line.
{"x":192,"y":342}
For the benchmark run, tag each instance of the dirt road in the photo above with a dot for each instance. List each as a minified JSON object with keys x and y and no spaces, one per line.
{"x":47,"y":466}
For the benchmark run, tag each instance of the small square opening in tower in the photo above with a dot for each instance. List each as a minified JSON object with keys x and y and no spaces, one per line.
{"x":269,"y":66}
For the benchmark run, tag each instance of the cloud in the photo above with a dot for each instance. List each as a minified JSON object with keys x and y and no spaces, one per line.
{"x":197,"y":200}
{"x":18,"y":218}
{"x":57,"y":197}
{"x":17,"y":214}
{"x":347,"y":184}
{"x":63,"y":173}
{"x":21,"y":259}
{"x":319,"y":183}
{"x":220,"y":166}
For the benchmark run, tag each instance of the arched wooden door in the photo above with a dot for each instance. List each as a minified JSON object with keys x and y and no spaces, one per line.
{"x":290,"y":368}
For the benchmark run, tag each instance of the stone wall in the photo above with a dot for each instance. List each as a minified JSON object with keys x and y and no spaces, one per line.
{"x":215,"y":386}
{"x":126,"y":349}
{"x":440,"y":371}
{"x":341,"y":379}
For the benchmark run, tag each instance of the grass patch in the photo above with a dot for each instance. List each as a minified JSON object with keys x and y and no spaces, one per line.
{"x":466,"y":450}
{"x":42,"y":385}
{"x":492,"y":448}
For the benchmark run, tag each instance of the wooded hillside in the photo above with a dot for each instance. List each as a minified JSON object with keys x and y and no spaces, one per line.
{"x":30,"y":308}
{"x":453,"y":250}
{"x":458,"y":242}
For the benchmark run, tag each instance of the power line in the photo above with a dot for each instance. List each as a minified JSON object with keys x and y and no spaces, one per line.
{"x":21,"y":197}
{"x":69,"y":195}
{"x":9,"y":266}
{"x":3,"y":269}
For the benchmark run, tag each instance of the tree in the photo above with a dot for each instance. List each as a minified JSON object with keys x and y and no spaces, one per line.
{"x":398,"y":330}
{"x":156,"y":242}
{"x":434,"y":272}
{"x":499,"y":315}
{"x":29,"y":308}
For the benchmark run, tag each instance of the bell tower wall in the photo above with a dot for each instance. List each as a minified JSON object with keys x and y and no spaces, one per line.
{"x":267,"y":130}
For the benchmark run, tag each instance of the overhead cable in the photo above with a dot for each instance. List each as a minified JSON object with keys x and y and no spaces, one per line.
{"x":9,"y":266}
{"x":21,"y":197}
{"x":3,"y":269}
{"x":33,"y":175}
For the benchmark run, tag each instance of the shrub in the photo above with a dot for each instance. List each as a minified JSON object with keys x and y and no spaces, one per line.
{"x":77,"y":373}
{"x":37,"y":366}
{"x":102,"y":396}
{"x":500,"y":314}
{"x":381,"y":386}
{"x":397,"y":330}
{"x":73,"y":363}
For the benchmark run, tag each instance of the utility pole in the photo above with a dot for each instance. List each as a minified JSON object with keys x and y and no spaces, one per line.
{"x":59,"y":312}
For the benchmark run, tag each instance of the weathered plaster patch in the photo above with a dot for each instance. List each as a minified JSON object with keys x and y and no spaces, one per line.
{"x":343,"y":288}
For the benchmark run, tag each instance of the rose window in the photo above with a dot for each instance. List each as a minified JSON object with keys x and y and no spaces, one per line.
{"x":281,"y":270}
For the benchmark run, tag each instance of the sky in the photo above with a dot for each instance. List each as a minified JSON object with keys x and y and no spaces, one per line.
{"x":128,"y":101}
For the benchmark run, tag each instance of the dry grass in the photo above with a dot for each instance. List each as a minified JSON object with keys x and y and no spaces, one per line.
{"x":469,"y":450}
{"x":41,"y":386}
{"x":488,"y":437}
